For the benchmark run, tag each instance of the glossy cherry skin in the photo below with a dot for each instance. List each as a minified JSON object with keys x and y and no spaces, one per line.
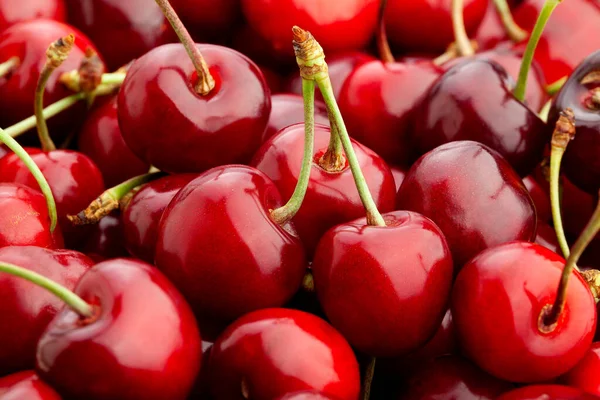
{"x":472,"y":194}
{"x":378,"y":100}
{"x":266,"y":351}
{"x":105,"y":240}
{"x":141,"y":216}
{"x":547,"y":392}
{"x":473,"y":101}
{"x":586,"y":374}
{"x":581,"y":162}
{"x":100,"y":139}
{"x":338,"y":26}
{"x":540,"y":198}
{"x":26,"y":385}
{"x":426,"y":25}
{"x":24,"y":219}
{"x":497,"y":301}
{"x":331,"y":197}
{"x":142,"y":343}
{"x":383,"y":304}
{"x":121,"y":32}
{"x":288,"y":109}
{"x":546,"y":236}
{"x":208,"y":20}
{"x":306,"y":395}
{"x":211,"y":244}
{"x":29,"y":41}
{"x":399,"y":175}
{"x":180,"y":131}
{"x":15,"y":11}
{"x":25,"y":308}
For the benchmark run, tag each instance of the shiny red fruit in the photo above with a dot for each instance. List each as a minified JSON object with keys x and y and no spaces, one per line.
{"x":208,"y":21}
{"x":104,"y":240}
{"x":15,"y":11}
{"x":311,"y":395}
{"x":26,"y":385}
{"x":540,"y":197}
{"x":547,"y":392}
{"x":586,"y":374}
{"x":288,"y":109}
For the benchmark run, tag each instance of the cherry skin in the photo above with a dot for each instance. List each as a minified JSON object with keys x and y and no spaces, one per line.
{"x":288,"y":109}
{"x":483,"y":109}
{"x":26,"y":385}
{"x":211,"y":244}
{"x":473,"y":195}
{"x":384,"y":305}
{"x":181,"y":131}
{"x":497,"y":301}
{"x":15,"y":11}
{"x":273,"y":79}
{"x":105,"y":240}
{"x":264,"y":354}
{"x":339,"y":26}
{"x":378,"y":100}
{"x":24,"y":219}
{"x":331,"y":197}
{"x":108,"y":355}
{"x":546,"y":236}
{"x":585,"y":375}
{"x":426,"y":25}
{"x":141,"y":216}
{"x":208,"y":20}
{"x":547,"y":392}
{"x":25,"y":308}
{"x":540,"y":198}
{"x":100,"y":139}
{"x":121,"y":32}
{"x":306,"y":395}
{"x":399,"y":175}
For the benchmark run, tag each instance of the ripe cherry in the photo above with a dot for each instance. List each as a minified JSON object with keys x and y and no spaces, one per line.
{"x":585,"y":375}
{"x":540,"y":198}
{"x":310,"y":395}
{"x":104,"y":240}
{"x":13,"y":12}
{"x":546,"y":236}
{"x":288,"y":109}
{"x":549,"y":392}
{"x":26,"y":385}
{"x":208,"y":21}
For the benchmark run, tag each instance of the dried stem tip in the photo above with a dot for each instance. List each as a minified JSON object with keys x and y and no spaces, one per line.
{"x":309,"y":55}
{"x":592,"y":278}
{"x":90,"y":71}
{"x":565,"y":129}
{"x":592,"y":77}
{"x":97,"y":210}
{"x":58,"y":51}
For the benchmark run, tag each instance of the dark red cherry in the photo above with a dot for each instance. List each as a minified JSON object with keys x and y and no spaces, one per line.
{"x":100,"y":139}
{"x":181,"y":131}
{"x":546,"y":236}
{"x":385,"y":305}
{"x":288,"y":109}
{"x":498,"y":304}
{"x":491,"y":31}
{"x":270,"y":353}
{"x":331,"y":198}
{"x":212,"y":245}
{"x":307,"y":395}
{"x":472,"y":194}
{"x":141,"y":216}
{"x":586,"y":374}
{"x":122,"y":30}
{"x":208,"y":21}
{"x":26,"y":385}
{"x":24,"y":219}
{"x":540,"y":198}
{"x":142,"y":342}
{"x":104,"y":240}
{"x":547,"y":392}
{"x":473,"y":101}
{"x":426,"y":25}
{"x":15,"y":11}
{"x":261,"y":51}
{"x":399,"y":175}
{"x":25,"y":308}
{"x":274,"y":80}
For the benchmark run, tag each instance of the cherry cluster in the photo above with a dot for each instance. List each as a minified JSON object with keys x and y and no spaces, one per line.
{"x":195,"y":203}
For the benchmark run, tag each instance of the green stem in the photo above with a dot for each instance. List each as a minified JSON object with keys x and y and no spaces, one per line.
{"x":545,"y":111}
{"x":555,"y":87}
{"x":368,"y":379}
{"x":514,"y":31}
{"x":36,"y":172}
{"x":285,"y":213}
{"x":42,"y":126}
{"x":460,"y":33}
{"x":383,"y":46}
{"x":9,"y":65}
{"x":534,"y":39}
{"x":113,"y":78}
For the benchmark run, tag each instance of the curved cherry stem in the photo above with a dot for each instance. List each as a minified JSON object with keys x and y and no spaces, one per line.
{"x":368,"y":379}
{"x":534,"y":39}
{"x":514,"y":31}
{"x":9,"y":65}
{"x":206,"y":82}
{"x":545,"y":111}
{"x":36,"y":172}
{"x":463,"y":44}
{"x":383,"y":46}
{"x":555,"y":87}
{"x":285,"y":213}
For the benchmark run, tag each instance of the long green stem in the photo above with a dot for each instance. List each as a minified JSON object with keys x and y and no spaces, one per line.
{"x":383,"y":46}
{"x":9,"y":65}
{"x":514,"y":31}
{"x":285,"y":213}
{"x":534,"y":39}
{"x":36,"y":172}
{"x":368,"y":379}
{"x":461,"y":38}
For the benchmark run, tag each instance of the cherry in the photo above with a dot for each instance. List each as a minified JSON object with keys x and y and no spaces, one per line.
{"x":260,"y":50}
{"x":263,"y":355}
{"x":274,"y":79}
{"x":472,"y":194}
{"x":399,"y":175}
{"x":306,"y":395}
{"x":288,"y":109}
{"x":141,"y":216}
{"x":26,"y":385}
{"x":547,"y":392}
{"x":107,"y":355}
{"x":105,"y":240}
{"x":546,"y":236}
{"x":25,"y":308}
{"x":540,"y":198}
{"x":100,"y":139}
{"x":208,"y":21}
{"x":13,"y":12}
{"x":585,"y":374}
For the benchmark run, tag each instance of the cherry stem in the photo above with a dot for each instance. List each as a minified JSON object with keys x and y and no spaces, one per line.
{"x":206,"y":82}
{"x":463,"y":44}
{"x":534,"y":39}
{"x":9,"y":65}
{"x":555,"y":87}
{"x":78,"y":305}
{"x":589,"y":233}
{"x":563,"y":133}
{"x":285,"y":213}
{"x":514,"y":31}
{"x":383,"y":46}
{"x":110,"y":200}
{"x":72,"y":79}
{"x":368,"y":379}
{"x":545,"y":111}
{"x":36,"y":172}
{"x":451,"y":53}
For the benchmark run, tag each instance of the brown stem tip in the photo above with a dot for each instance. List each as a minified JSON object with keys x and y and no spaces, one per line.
{"x":592,"y":77}
{"x":97,"y":210}
{"x":58,"y":51}
{"x":564,"y":131}
{"x":90,"y":71}
{"x":592,"y":278}
{"x":309,"y":55}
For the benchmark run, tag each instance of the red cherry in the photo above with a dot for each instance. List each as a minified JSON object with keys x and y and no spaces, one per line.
{"x":15,"y":11}
{"x":288,"y":109}
{"x":586,"y":374}
{"x":331,"y":197}
{"x":385,"y":305}
{"x":546,"y":236}
{"x":100,"y":139}
{"x":270,"y":353}
{"x":24,"y":219}
{"x":142,"y":215}
{"x":25,"y":308}
{"x":142,"y":343}
{"x":498,"y":304}
{"x":273,"y":79}
{"x":26,"y":385}
{"x":311,"y":395}
{"x":540,"y":198}
{"x":547,"y":392}
{"x":181,"y":131}
{"x":104,"y":240}
{"x":399,"y":175}
{"x":208,"y":20}
{"x":491,"y":32}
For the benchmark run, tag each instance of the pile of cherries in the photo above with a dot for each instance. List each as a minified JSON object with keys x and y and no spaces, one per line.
{"x":195,"y":203}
